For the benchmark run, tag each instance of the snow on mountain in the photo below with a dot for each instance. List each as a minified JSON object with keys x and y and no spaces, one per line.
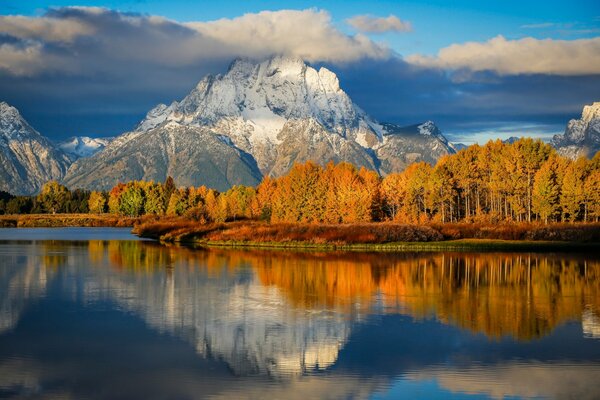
{"x":262,"y":118}
{"x":403,"y":145}
{"x":582,"y":136}
{"x":27,"y":159}
{"x":83,"y":146}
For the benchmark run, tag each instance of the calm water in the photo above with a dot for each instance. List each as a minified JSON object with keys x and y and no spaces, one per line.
{"x":84,"y":318}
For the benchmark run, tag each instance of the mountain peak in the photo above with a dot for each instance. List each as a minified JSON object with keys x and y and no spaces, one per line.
{"x":256,"y":119}
{"x":582,"y":136}
{"x":8,"y":111}
{"x":83,"y":146}
{"x":591,"y":112}
{"x":27,"y":159}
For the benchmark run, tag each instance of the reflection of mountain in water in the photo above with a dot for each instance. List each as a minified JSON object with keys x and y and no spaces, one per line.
{"x":23,"y":282}
{"x":590,"y":323}
{"x":287,"y":313}
{"x":228,"y":317}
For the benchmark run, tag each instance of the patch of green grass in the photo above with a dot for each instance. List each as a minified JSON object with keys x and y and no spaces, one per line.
{"x":448,"y":245}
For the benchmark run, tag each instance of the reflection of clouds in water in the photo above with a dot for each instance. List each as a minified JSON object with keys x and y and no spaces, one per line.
{"x":558,"y":381}
{"x":590,"y":323}
{"x":29,"y":378}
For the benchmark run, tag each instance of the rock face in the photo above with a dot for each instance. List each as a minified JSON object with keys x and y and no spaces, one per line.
{"x":27,"y":159}
{"x":257,"y":119}
{"x":194,"y":156}
{"x":405,"y":145}
{"x":582,"y":136}
{"x":83,"y":146}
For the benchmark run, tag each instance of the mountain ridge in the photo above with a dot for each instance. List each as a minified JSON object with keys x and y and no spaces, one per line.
{"x":279,"y":112}
{"x":581,"y":136}
{"x":27,"y":159}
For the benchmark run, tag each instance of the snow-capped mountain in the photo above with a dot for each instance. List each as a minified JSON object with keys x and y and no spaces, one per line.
{"x":405,"y":145}
{"x":257,"y":119}
{"x":83,"y":146}
{"x":27,"y":159}
{"x":582,"y":136}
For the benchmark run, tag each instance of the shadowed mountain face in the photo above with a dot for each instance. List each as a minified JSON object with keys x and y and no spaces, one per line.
{"x":257,"y":119}
{"x":27,"y":159}
{"x":582,"y":136}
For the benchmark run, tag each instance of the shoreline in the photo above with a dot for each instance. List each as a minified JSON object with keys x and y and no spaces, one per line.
{"x":67,"y":221}
{"x":462,"y":245}
{"x":385,"y":237}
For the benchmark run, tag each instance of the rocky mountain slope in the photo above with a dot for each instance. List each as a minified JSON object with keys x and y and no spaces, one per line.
{"x":582,"y":136}
{"x":194,"y":156}
{"x":257,"y":119}
{"x":27,"y":159}
{"x":83,"y":146}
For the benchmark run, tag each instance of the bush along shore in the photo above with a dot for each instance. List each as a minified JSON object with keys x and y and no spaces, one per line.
{"x":375,"y":236}
{"x":68,"y":220}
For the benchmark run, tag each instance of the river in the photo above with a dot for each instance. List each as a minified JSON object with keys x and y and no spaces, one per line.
{"x":95,"y":313}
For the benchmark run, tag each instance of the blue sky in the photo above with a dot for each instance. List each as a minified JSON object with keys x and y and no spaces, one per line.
{"x":484,"y":102}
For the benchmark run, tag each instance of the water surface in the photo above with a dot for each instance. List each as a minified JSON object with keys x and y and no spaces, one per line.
{"x":128,"y":319}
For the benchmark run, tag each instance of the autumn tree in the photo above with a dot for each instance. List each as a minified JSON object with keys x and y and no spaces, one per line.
{"x":53,"y":197}
{"x":546,"y":191}
{"x":97,"y":202}
{"x":114,"y":198}
{"x":592,"y":195}
{"x":572,"y":196}
{"x":132,"y":200}
{"x":156,"y":199}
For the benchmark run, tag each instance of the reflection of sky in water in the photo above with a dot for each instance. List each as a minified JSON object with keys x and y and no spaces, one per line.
{"x":74,"y":319}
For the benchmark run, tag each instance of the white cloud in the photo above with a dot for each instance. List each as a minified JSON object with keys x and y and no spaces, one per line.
{"x":372,"y":24}
{"x":308,"y":34}
{"x":522,"y":56}
{"x":93,"y":40}
{"x":51,"y":29}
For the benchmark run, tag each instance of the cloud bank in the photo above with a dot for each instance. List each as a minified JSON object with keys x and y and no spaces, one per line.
{"x":522,"y":56}
{"x":372,"y":24}
{"x":94,"y":71}
{"x":88,"y":40}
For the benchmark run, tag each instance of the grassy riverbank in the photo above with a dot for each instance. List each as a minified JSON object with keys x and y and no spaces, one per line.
{"x":66,"y":220}
{"x":376,"y":236}
{"x":446,"y":245}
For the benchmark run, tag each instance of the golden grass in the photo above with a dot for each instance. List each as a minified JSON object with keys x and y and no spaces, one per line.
{"x":68,"y":220}
{"x":264,"y":234}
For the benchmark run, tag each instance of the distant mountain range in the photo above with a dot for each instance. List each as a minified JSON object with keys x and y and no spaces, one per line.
{"x":83,"y":146}
{"x":257,"y":119}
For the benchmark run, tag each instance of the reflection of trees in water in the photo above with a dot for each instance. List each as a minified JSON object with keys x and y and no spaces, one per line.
{"x":518,"y":294}
{"x":280,"y":313}
{"x":523,"y":295}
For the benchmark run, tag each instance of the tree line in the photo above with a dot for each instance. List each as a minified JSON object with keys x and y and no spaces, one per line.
{"x":522,"y":181}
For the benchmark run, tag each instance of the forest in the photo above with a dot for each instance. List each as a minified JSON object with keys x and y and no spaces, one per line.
{"x":525,"y":181}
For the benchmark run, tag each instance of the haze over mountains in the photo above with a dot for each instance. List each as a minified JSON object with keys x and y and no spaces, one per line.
{"x":255,"y":120}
